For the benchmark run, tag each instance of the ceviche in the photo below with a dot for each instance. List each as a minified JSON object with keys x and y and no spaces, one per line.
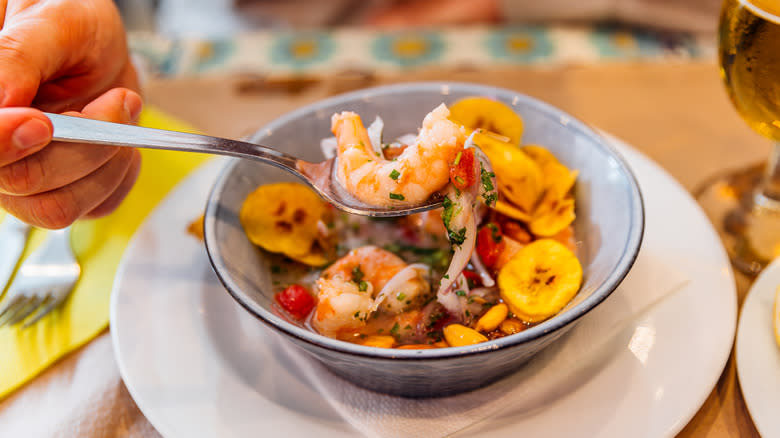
{"x":497,"y":258}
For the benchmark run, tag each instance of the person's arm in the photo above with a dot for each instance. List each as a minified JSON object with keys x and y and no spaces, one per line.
{"x":436,"y":13}
{"x":67,"y":56}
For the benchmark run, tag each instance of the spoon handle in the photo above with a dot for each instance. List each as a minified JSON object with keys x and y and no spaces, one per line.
{"x":81,"y":130}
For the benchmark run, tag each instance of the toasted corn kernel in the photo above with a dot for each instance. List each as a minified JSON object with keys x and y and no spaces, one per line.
{"x":416,"y":347}
{"x":378,"y":341}
{"x":511,"y":326}
{"x":459,"y":335}
{"x":492,"y":318}
{"x":441,"y":344}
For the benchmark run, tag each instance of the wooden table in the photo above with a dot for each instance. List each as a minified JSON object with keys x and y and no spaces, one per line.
{"x":678,"y":114}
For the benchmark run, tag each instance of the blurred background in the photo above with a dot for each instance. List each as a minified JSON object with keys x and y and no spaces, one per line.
{"x":220,"y":18}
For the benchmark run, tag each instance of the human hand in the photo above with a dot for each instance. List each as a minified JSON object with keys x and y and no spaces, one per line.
{"x":63,"y":56}
{"x":410,"y":13}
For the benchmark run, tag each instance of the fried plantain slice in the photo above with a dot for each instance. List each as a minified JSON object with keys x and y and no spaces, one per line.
{"x":540,"y":154}
{"x":510,"y":210}
{"x":557,"y":176}
{"x":552,"y":216}
{"x":558,"y":179}
{"x":282,"y":218}
{"x":540,"y":280}
{"x":520,"y":180}
{"x":488,"y":114}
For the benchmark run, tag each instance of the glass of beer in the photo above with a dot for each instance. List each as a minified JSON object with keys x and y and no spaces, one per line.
{"x":744,"y":206}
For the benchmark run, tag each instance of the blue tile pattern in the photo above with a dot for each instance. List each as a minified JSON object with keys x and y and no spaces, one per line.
{"x":326,"y":52}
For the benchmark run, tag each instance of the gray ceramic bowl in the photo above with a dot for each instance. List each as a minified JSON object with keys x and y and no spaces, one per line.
{"x":609,"y":227}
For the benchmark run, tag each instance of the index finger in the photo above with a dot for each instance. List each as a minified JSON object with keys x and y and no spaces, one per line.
{"x":23,"y":131}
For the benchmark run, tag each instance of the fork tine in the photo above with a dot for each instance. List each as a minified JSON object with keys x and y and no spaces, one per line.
{"x":43,"y":281}
{"x":46,"y":306}
{"x":25,"y":311}
{"x":35,"y":304}
{"x":9,"y":304}
{"x":18,"y":305}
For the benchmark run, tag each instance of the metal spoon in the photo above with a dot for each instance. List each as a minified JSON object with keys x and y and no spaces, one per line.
{"x":320,"y":176}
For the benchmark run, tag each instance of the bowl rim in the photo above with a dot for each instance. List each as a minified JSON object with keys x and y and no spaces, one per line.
{"x":557,"y":322}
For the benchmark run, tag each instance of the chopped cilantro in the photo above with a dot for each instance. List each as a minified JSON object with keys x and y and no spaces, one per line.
{"x":394,"y":330}
{"x":458,"y":237}
{"x":395,"y":174}
{"x":494,"y":232}
{"x":446,"y":214}
{"x":397,"y":196}
{"x":362,"y":286}
{"x":490,"y":195}
{"x":401,"y":296}
{"x":460,"y":293}
{"x":357,"y":274}
{"x":434,"y":318}
{"x":457,"y":158}
{"x":490,"y":198}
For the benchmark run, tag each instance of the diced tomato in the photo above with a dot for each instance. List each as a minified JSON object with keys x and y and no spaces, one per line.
{"x":296,"y":300}
{"x":409,"y":234}
{"x":473,"y":278}
{"x":463,"y":170}
{"x":489,"y":244}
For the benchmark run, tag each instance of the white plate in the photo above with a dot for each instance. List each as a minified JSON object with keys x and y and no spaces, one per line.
{"x":758,"y":356}
{"x":198,"y":365}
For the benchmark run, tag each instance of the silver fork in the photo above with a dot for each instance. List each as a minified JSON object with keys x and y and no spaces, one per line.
{"x":43,"y":282}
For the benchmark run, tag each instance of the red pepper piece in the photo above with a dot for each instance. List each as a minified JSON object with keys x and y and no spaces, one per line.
{"x":296,"y":300}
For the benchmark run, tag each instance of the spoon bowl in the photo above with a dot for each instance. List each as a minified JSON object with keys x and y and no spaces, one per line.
{"x":320,"y":176}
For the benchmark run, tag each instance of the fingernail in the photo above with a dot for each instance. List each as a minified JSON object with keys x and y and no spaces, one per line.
{"x":30,"y":134}
{"x":133,"y":105}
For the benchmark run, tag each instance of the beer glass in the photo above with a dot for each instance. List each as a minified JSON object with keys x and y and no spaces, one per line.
{"x":744,"y":206}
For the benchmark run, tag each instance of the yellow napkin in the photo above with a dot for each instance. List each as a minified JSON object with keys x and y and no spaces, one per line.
{"x":98,"y":245}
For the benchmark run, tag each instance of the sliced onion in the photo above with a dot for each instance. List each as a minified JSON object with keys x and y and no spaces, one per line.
{"x":484,"y":275}
{"x":485,"y":165}
{"x":406,"y":274}
{"x":463,"y":218}
{"x":329,"y":147}
{"x":482,"y":291}
{"x":462,"y":283}
{"x":451,"y":302}
{"x":375,"y":135}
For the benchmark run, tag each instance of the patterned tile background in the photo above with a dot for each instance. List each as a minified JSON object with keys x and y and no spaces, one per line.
{"x":320,"y":53}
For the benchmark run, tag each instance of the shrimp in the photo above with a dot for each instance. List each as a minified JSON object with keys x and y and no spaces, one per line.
{"x":353,"y":287}
{"x":421,"y":170}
